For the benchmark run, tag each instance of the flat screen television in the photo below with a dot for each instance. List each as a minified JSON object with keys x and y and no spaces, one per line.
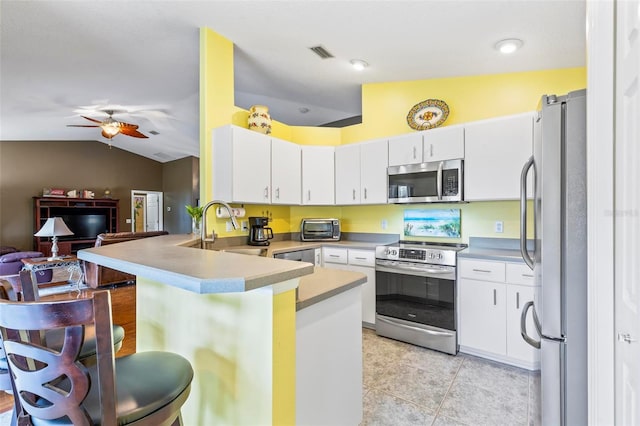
{"x":85,"y":225}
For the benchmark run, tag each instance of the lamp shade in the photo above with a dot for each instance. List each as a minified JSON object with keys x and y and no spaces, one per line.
{"x":53,"y":227}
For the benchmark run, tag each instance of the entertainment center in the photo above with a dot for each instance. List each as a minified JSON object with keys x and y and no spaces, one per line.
{"x":85,"y":217}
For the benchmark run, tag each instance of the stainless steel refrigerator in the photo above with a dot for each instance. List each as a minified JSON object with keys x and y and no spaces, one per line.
{"x":559,"y":259}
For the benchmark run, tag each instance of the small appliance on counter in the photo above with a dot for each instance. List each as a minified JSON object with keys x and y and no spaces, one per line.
{"x":320,"y":230}
{"x":259,"y":232}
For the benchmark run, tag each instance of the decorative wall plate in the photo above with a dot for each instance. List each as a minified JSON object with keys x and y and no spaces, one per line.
{"x":428,"y":114}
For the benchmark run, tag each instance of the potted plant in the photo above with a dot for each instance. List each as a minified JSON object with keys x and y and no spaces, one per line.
{"x":196,"y":218}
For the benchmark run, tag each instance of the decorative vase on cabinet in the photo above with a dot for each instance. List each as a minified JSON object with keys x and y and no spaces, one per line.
{"x":259,"y":119}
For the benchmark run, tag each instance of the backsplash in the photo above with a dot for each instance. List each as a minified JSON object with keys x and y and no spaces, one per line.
{"x":477,"y":219}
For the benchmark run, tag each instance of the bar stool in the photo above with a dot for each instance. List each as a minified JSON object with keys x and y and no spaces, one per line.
{"x":54,"y":387}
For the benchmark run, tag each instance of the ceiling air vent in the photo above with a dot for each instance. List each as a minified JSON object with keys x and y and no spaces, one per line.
{"x":321,"y":51}
{"x":153,"y":132}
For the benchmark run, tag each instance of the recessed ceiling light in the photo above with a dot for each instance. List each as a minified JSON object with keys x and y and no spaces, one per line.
{"x":509,"y":45}
{"x":359,"y":64}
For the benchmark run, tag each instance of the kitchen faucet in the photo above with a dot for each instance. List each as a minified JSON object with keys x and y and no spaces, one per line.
{"x":203,"y":237}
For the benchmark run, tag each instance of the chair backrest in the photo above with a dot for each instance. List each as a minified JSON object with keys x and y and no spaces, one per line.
{"x":49,"y":383}
{"x":6,"y":293}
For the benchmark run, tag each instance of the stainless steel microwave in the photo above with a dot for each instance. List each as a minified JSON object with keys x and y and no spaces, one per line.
{"x":433,"y":182}
{"x":320,"y":230}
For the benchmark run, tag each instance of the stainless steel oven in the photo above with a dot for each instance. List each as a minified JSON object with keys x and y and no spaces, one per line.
{"x":416,"y":294}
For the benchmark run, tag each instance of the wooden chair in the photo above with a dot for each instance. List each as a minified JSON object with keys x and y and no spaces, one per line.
{"x":54,"y":387}
{"x":55,"y":338}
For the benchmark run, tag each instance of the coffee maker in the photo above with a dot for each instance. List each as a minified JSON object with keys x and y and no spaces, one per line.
{"x":259,"y":233}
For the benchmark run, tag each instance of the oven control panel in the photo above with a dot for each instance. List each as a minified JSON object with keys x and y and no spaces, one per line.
{"x":419,"y":254}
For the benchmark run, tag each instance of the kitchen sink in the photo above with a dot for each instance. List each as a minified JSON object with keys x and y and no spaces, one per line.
{"x":248,"y":251}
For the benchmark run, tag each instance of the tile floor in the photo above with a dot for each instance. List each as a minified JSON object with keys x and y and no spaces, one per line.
{"x":410,"y":385}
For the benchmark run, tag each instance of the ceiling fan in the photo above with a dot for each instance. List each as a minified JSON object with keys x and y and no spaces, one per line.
{"x":111,"y":127}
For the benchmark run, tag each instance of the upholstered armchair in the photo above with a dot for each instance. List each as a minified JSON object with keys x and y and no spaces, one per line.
{"x":11,"y":265}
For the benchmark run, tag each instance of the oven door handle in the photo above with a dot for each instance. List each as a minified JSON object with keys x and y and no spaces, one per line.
{"x":420,"y":272}
{"x":421,"y":330}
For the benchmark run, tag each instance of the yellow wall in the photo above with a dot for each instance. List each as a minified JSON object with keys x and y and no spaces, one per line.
{"x":384,"y":109}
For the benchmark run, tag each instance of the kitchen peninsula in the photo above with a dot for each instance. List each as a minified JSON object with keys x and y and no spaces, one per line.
{"x":234,"y":317}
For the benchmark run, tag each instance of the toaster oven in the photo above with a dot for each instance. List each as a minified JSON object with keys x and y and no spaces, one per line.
{"x":320,"y":230}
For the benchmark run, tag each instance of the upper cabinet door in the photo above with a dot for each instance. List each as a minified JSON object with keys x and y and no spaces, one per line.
{"x":318,"y":175}
{"x":373,"y":172}
{"x":286,"y":177}
{"x":443,"y":143}
{"x":241,"y":165}
{"x":495,"y":151}
{"x":348,"y":174}
{"x":405,"y":149}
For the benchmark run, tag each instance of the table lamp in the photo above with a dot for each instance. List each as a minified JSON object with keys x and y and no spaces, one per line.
{"x":53,"y":227}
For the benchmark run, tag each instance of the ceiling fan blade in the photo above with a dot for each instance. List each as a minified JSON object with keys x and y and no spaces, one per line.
{"x":130,"y":130}
{"x":91,"y":119}
{"x":82,"y":125}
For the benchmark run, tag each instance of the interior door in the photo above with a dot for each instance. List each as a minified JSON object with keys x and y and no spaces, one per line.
{"x":146,"y":211}
{"x":627,"y":216}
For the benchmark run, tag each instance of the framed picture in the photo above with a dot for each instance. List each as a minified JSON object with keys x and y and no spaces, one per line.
{"x":432,"y":223}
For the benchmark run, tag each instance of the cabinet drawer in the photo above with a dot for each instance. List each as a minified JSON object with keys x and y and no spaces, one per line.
{"x":334,"y":255}
{"x":519,"y":274}
{"x":362,"y":258}
{"x":482,"y":270}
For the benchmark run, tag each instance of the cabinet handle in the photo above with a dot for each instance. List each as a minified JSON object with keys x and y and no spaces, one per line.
{"x":365,"y":193}
{"x":360,"y":258}
{"x":354,"y":194}
{"x":278,"y":193}
{"x":528,"y":275}
{"x":414,"y":152}
{"x":482,"y":270}
{"x":430,"y":150}
{"x":309,"y":195}
{"x":266,"y":192}
{"x":495,"y":297}
{"x":334,"y":255}
{"x":518,"y":300}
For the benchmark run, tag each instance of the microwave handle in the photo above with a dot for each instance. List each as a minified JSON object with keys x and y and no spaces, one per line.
{"x":439,"y":180}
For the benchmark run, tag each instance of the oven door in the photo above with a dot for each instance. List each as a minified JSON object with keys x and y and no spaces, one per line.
{"x":417,"y":293}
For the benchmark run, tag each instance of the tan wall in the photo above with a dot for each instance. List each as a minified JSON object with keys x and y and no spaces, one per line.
{"x":181,"y":186}
{"x":27,"y":167}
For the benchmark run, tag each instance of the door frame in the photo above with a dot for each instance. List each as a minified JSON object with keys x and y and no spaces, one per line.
{"x":600,"y":210}
{"x":138,"y":192}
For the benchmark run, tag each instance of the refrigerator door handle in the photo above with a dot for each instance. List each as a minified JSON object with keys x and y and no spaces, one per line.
{"x":523,"y":325}
{"x":523,"y":213}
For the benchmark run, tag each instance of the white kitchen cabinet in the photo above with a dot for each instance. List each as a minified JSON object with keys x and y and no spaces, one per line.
{"x":517,"y":296}
{"x":347,"y":174}
{"x":491,"y":295}
{"x":443,"y":143}
{"x":286,"y":177}
{"x":357,"y":260}
{"x":405,"y":149}
{"x":495,"y":151}
{"x":482,"y":315}
{"x":374,"y":160}
{"x":318,"y":175}
{"x":241,"y":165}
{"x":361,"y":173}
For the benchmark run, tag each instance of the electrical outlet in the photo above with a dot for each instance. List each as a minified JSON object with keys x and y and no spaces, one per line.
{"x":244,"y":225}
{"x":499,"y":228}
{"x":229,"y":226}
{"x":383,"y":224}
{"x":128,"y":220}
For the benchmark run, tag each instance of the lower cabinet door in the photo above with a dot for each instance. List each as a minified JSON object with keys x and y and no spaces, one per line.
{"x":517,"y":296}
{"x":482,"y":315}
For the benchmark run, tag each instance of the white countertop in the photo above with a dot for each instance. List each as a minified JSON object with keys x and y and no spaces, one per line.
{"x":172,"y":259}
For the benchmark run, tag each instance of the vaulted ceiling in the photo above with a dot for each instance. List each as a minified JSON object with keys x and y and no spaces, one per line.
{"x":142,"y":56}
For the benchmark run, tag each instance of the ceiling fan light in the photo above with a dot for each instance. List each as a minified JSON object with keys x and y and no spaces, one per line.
{"x":111,"y":129}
